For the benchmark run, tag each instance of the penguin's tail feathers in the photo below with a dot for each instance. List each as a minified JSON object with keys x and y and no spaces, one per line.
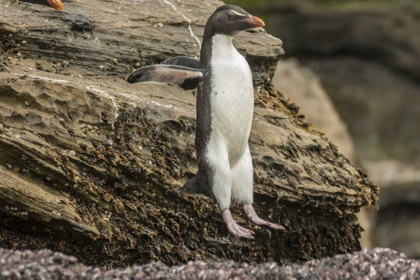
{"x":190,"y":188}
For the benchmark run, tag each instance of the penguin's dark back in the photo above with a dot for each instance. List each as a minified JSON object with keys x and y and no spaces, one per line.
{"x":204,"y":90}
{"x":203,"y":113}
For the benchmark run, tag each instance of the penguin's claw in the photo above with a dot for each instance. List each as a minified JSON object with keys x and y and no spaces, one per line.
{"x":181,"y":191}
{"x":253,"y":218}
{"x":234,"y":228}
{"x":278,"y":227}
{"x":176,"y":190}
{"x":241,"y":231}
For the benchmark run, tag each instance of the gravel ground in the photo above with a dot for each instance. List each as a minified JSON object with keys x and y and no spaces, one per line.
{"x":377,"y":263}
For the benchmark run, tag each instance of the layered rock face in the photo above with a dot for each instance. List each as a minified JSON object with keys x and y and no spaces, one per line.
{"x":87,"y":159}
{"x":368,"y":61}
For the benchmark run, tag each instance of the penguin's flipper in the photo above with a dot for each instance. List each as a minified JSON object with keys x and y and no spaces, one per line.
{"x":185,"y":77}
{"x":182,"y":61}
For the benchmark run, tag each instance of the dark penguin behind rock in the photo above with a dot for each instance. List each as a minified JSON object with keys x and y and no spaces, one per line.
{"x":182,"y":61}
{"x":55,"y":4}
{"x":225,"y":104}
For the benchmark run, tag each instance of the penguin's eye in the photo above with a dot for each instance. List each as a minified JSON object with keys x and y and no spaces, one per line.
{"x":232,"y":18}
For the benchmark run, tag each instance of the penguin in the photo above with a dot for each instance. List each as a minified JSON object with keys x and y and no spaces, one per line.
{"x":182,"y":61}
{"x":225,"y":105}
{"x":55,"y":4}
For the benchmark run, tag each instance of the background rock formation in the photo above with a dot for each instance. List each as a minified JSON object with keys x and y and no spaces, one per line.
{"x":304,"y":87}
{"x":86,"y":158}
{"x":367,"y":60}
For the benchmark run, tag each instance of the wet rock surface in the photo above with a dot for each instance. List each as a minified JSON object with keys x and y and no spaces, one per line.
{"x":87,"y":159}
{"x":377,"y":263}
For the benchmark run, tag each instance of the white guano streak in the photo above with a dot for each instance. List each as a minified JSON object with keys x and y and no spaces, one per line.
{"x":110,"y":97}
{"x":42,"y":78}
{"x":187,"y":19}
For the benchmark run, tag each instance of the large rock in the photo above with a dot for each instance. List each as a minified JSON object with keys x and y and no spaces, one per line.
{"x":87,"y":159}
{"x":113,"y":37}
{"x":398,"y":223}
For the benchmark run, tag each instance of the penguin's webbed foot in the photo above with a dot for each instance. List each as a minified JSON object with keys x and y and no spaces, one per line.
{"x":253,"y":218}
{"x":234,"y":228}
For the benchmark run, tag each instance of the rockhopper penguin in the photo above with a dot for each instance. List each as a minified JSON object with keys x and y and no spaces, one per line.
{"x":55,"y":4}
{"x":225,"y":105}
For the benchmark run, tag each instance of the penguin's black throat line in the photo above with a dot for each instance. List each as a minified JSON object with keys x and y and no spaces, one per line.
{"x":225,"y":105}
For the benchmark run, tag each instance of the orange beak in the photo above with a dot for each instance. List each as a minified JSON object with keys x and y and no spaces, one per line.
{"x":56,"y":4}
{"x":255,"y":21}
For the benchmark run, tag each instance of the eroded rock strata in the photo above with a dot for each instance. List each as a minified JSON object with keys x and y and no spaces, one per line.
{"x":87,"y":159}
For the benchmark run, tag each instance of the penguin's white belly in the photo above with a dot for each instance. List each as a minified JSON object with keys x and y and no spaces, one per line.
{"x":232,"y":100}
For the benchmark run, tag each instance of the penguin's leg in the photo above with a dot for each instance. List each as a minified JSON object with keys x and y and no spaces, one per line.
{"x":242,"y":189}
{"x":221,"y":178}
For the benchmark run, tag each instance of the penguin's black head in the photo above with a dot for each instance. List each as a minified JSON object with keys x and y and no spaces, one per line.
{"x":230,"y":19}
